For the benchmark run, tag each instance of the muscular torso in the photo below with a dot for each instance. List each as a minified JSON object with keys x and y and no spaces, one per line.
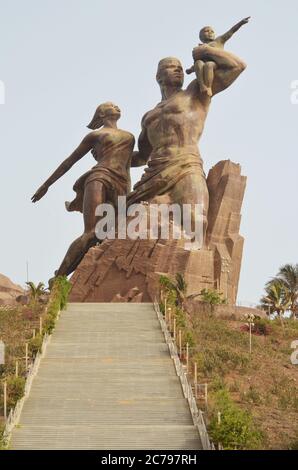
{"x":176,"y":123}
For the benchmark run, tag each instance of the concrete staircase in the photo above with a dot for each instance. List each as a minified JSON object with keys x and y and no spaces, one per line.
{"x":106,"y":382}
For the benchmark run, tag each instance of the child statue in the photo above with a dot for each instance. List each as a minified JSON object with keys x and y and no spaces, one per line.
{"x":205,"y":70}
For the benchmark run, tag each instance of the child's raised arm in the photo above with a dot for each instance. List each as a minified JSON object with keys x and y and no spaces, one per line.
{"x":226,"y":36}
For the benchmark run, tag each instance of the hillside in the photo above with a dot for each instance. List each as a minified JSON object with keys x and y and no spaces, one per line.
{"x":8,"y":290}
{"x":263,"y":385}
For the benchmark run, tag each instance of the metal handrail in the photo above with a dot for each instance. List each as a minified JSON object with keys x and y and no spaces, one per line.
{"x":197,"y":415}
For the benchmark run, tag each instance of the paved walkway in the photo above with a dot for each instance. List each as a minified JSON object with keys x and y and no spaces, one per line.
{"x":106,"y":382}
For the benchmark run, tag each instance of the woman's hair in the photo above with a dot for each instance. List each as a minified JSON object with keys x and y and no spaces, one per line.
{"x":97,"y":120}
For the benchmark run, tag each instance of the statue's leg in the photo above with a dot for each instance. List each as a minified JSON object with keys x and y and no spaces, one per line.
{"x":199,"y":66}
{"x":192,"y":189}
{"x":94,"y":194}
{"x":209,"y":68}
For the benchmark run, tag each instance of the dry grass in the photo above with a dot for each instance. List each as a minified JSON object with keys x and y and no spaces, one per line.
{"x":264,"y":384}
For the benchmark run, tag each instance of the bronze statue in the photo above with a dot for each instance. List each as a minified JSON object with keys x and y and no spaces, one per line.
{"x":205,"y":69}
{"x":112,"y":149}
{"x":168,"y":144}
{"x":170,"y":132}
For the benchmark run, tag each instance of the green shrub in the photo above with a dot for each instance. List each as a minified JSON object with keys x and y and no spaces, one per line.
{"x":180,"y":318}
{"x":217,"y":383}
{"x":252,"y":396}
{"x":2,"y":441}
{"x":237,"y":429}
{"x":15,"y":390}
{"x":49,"y":324}
{"x":58,"y":300}
{"x":188,"y":337}
{"x":212,"y":297}
{"x":59,"y":294}
{"x":35,"y":345}
{"x":162,"y":307}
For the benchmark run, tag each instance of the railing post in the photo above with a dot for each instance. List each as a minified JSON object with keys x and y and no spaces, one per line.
{"x":5,"y":399}
{"x":33,"y":333}
{"x":174,"y":329}
{"x":170,"y":319}
{"x":196,"y":380}
{"x":180,"y":343}
{"x":26,"y":356}
{"x":40,"y":325}
{"x":17,"y":368}
{"x":206,"y":396}
{"x":187,"y":357}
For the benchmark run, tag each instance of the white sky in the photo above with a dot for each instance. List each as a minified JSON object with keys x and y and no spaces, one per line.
{"x":60,"y":58}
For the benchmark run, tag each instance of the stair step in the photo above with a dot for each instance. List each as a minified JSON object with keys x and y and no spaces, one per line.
{"x":173,"y":437}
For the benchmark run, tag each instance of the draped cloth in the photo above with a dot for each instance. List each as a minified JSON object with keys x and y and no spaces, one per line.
{"x":163,"y":173}
{"x":114,"y":181}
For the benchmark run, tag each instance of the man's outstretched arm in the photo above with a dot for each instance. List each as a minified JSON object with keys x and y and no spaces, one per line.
{"x":229,"y":66}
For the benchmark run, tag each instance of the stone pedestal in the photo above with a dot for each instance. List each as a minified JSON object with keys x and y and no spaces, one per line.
{"x":129,"y":270}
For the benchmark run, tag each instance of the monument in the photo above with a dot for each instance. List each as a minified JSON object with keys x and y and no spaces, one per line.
{"x":128,"y":269}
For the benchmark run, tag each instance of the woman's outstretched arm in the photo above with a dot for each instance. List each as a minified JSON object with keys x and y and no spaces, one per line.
{"x":84,"y":147}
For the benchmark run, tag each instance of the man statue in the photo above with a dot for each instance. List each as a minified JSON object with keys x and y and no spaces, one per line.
{"x":170,"y":133}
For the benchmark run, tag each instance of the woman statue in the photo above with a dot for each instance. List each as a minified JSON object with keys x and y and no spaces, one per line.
{"x":112,"y":148}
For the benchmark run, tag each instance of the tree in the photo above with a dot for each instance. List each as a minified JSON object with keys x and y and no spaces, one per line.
{"x":276,"y":298}
{"x":212,"y":297}
{"x":35,"y":291}
{"x":288,"y":277}
{"x":179,"y":287}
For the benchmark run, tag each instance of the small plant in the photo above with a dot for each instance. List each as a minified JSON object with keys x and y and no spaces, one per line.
{"x":175,"y":289}
{"x":35,"y":345}
{"x":252,"y":396}
{"x":15,"y":390}
{"x":236,"y":429}
{"x":285,"y":390}
{"x":217,"y":383}
{"x":234,"y":387}
{"x":2,"y":441}
{"x":212,"y":297}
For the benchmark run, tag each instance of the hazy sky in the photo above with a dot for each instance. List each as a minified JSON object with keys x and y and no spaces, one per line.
{"x":60,"y":58}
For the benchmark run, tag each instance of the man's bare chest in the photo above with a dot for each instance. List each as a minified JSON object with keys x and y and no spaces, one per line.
{"x":168,"y":110}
